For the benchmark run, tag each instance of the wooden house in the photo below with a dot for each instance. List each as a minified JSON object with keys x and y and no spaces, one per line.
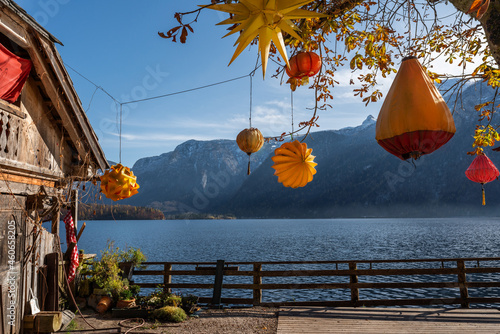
{"x":46,"y":144}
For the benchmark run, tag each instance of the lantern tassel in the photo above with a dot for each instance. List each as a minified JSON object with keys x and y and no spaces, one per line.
{"x":248,"y":170}
{"x":484,"y":199}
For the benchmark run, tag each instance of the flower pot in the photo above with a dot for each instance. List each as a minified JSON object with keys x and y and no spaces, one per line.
{"x":125,"y":303}
{"x":104,"y":304}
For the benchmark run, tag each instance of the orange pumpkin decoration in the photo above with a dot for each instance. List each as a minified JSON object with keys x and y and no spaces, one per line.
{"x":119,"y":183}
{"x":250,"y":141}
{"x":302,"y":66}
{"x":414,"y":119}
{"x":294,"y":164}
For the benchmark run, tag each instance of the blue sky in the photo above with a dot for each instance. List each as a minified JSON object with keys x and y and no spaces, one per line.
{"x":115,"y":44}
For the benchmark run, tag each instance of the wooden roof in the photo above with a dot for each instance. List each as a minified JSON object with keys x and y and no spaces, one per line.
{"x":56,"y":83}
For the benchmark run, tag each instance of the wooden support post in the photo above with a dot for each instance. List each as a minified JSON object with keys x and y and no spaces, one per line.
{"x":219,"y":275}
{"x":462,"y":282}
{"x":167,"y":278}
{"x":257,"y":279}
{"x":52,"y":299}
{"x":2,"y":317}
{"x":354,"y":279}
{"x":56,"y":220}
{"x":74,"y":208}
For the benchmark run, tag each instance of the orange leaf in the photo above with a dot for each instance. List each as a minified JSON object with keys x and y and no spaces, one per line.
{"x":483,"y":9}
{"x":475,"y":6}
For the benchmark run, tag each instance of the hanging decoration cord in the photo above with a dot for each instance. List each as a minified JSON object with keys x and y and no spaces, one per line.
{"x":251,"y":98}
{"x":291,"y":104}
{"x":409,"y":27}
{"x":120,"y":132}
{"x":161,"y":96}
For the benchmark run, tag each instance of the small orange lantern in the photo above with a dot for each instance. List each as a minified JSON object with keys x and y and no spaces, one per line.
{"x":119,"y":183}
{"x":250,"y":141}
{"x":294,"y":164}
{"x":302,"y":66}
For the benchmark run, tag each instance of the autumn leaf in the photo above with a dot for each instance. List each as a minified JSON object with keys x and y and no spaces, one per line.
{"x":481,"y":6}
{"x":184,"y":35}
{"x":483,"y":9}
{"x":475,"y":6}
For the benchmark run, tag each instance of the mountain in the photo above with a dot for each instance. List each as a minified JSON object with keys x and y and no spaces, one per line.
{"x":196,"y":177}
{"x":355,"y":177}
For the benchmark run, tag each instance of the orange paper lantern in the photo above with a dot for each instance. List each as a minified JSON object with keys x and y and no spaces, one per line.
{"x":414,"y":119}
{"x":119,"y":183}
{"x":294,"y":164}
{"x":250,"y":141}
{"x":302,"y":66}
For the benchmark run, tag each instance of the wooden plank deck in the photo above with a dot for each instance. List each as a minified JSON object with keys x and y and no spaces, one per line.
{"x":312,"y":320}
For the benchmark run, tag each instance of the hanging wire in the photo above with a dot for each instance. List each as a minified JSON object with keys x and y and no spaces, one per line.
{"x":251,"y":98}
{"x":409,"y":27}
{"x":291,"y":104}
{"x":121,"y":121}
{"x":185,"y":91}
{"x":97,"y":87}
{"x":91,"y":99}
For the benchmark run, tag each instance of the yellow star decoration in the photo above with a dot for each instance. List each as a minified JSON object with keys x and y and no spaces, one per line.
{"x":266,"y":19}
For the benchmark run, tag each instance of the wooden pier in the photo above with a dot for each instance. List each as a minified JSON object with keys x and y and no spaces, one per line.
{"x":295,"y":320}
{"x":458,"y":275}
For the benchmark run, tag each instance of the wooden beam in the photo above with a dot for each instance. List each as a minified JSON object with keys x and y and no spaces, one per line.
{"x":12,"y":109}
{"x":24,"y":169}
{"x":7,"y":177}
{"x":74,"y":101}
{"x":74,"y":208}
{"x":13,"y":30}
{"x":81,"y":231}
{"x":56,"y":221}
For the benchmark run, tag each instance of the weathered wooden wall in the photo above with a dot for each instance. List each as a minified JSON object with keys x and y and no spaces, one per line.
{"x":30,"y":140}
{"x":11,"y":256}
{"x":23,"y":247}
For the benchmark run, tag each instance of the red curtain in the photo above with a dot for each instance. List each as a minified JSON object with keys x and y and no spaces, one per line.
{"x":13,"y":74}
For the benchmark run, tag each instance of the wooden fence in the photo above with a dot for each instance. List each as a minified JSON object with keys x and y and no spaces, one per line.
{"x":392,"y":273}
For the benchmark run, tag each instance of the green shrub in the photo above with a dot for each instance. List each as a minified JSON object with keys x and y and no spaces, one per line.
{"x":173,"y":300}
{"x":170,"y":314}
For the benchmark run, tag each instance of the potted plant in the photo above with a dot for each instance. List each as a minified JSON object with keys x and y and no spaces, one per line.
{"x":126,"y":297}
{"x":107,"y":277}
{"x":129,"y":259}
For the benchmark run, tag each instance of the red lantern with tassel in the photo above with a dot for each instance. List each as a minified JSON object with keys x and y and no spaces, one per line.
{"x":482,"y":170}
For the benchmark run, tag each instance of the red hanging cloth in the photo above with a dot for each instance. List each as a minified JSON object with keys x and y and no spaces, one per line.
{"x":14,"y":71}
{"x":71,"y":238}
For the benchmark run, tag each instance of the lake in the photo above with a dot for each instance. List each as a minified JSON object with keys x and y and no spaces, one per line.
{"x":307,"y":240}
{"x":286,"y":240}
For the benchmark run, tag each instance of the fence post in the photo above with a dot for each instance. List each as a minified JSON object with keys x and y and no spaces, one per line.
{"x":167,"y":278}
{"x":462,"y":283}
{"x":257,"y":279}
{"x":353,"y":280}
{"x":219,"y":275}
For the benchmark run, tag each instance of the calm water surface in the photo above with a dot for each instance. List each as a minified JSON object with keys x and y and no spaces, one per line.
{"x":313,"y":239}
